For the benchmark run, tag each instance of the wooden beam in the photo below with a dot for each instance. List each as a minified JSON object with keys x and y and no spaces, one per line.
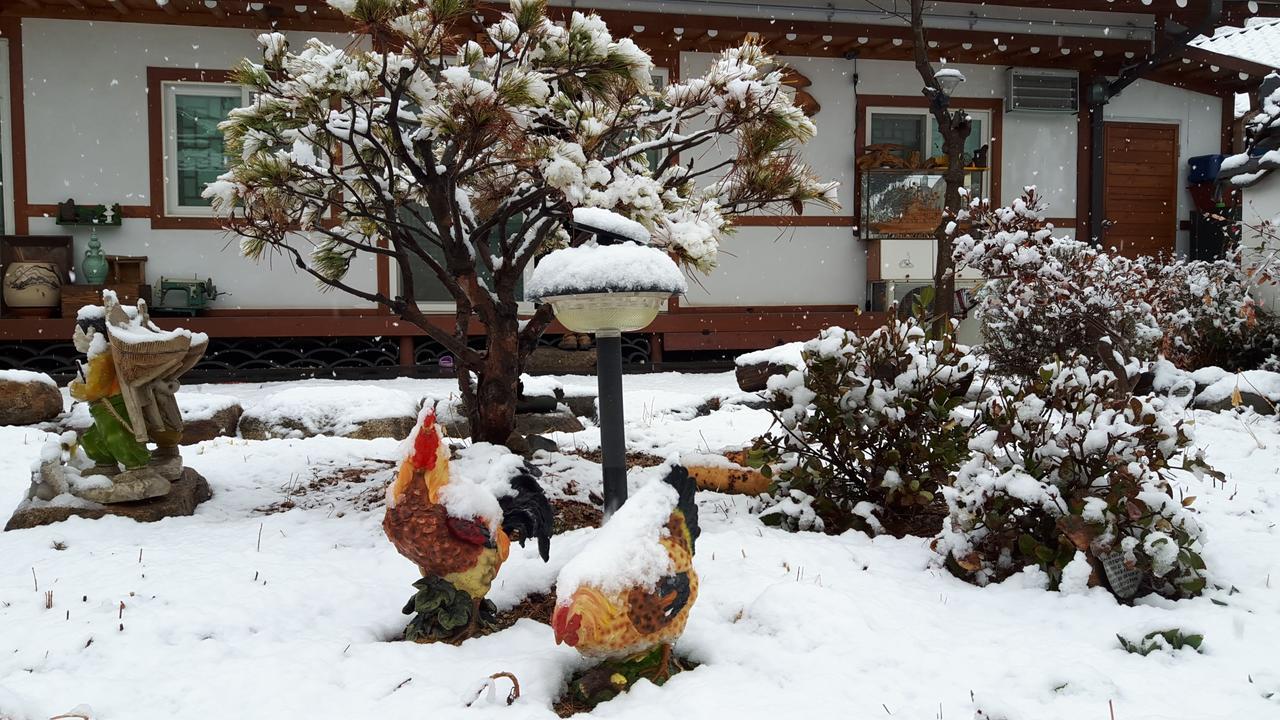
{"x":76,"y":4}
{"x":215,"y":8}
{"x":168,"y":7}
{"x":11,"y":30}
{"x":120,"y":7}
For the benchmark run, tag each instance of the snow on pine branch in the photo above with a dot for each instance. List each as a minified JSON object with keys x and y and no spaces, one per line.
{"x":428,"y":140}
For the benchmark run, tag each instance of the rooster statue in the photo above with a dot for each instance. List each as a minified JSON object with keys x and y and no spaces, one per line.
{"x":458,"y":533}
{"x":627,"y":597}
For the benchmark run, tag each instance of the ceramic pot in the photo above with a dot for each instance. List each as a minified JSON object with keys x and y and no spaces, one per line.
{"x":32,"y":285}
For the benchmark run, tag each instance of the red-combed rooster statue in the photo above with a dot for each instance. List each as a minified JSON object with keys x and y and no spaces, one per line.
{"x":458,"y":533}
{"x":626,"y":598}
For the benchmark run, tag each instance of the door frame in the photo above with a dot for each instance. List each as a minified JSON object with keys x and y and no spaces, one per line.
{"x":1176,"y":199}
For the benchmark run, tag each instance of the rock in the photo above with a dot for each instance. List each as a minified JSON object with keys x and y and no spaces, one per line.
{"x":562,"y":420}
{"x":182,"y":500}
{"x":536,"y":404}
{"x":755,"y":377}
{"x":456,"y":425}
{"x":554,"y":361}
{"x":1251,"y":400}
{"x":217,"y":422}
{"x":27,"y":398}
{"x":529,"y":445}
{"x":581,"y":405}
{"x":396,"y":428}
{"x":361,"y":412}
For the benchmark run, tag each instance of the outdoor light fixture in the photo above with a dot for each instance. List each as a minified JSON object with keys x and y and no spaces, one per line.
{"x":948,"y":80}
{"x":616,"y":284}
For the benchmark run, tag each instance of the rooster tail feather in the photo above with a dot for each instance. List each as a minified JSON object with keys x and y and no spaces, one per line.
{"x":687,"y":488}
{"x":527,"y":513}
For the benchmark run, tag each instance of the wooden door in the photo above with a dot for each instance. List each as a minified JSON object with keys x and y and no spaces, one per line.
{"x":1141,"y":188}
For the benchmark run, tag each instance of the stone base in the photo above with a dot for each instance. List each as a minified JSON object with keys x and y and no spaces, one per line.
{"x":182,"y":500}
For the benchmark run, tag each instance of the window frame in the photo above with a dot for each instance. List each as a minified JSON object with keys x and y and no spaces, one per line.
{"x":160,"y":166}
{"x":986,"y":115}
{"x":170,"y":90}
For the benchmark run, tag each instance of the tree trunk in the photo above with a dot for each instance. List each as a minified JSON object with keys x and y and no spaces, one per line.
{"x":492,"y":408}
{"x":944,"y":275}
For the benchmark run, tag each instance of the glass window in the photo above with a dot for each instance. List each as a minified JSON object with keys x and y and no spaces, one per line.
{"x":916,"y":130}
{"x":427,"y":288}
{"x":193,"y":144}
{"x":905,"y":129}
{"x":972,"y":143}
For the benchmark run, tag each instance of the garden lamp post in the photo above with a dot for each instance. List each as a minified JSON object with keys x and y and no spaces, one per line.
{"x":615,"y":284}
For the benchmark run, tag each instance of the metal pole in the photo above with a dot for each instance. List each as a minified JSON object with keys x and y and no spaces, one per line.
{"x":613,"y":444}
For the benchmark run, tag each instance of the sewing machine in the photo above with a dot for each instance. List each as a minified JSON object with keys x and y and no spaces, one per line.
{"x":195,"y":295}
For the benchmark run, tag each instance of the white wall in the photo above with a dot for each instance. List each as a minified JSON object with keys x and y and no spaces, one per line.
{"x":86,"y":110}
{"x":86,"y":113}
{"x":822,"y":265}
{"x":785,"y":266}
{"x":1199,"y":121}
{"x":1262,"y":204}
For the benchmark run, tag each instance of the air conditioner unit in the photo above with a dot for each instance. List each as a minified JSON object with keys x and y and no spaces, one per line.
{"x":1042,"y":91}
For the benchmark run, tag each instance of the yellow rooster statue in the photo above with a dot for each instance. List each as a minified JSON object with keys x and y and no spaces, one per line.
{"x":627,"y":597}
{"x":458,"y":533}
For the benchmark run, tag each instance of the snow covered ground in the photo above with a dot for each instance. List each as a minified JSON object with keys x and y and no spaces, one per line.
{"x":245,"y":610}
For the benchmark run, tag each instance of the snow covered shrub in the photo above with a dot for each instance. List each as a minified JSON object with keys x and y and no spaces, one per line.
{"x":1210,"y":315}
{"x":1048,"y":298}
{"x":1071,"y":476}
{"x":1159,"y":640}
{"x":867,"y":428}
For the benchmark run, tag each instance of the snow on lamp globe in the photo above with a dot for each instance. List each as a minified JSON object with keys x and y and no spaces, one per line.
{"x":614,"y":283}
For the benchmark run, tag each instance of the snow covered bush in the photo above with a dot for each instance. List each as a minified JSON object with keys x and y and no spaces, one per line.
{"x":459,"y":145}
{"x":1071,"y":476}
{"x":1047,"y":298}
{"x":868,"y":427}
{"x":1210,"y":316}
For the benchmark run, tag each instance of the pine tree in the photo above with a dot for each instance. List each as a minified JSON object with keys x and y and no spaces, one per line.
{"x":461,"y":145}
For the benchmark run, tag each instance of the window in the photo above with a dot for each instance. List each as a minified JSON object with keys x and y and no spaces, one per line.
{"x":193,"y":153}
{"x":427,"y":288}
{"x":915,"y":129}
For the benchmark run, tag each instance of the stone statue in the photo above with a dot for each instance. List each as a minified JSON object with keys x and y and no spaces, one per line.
{"x":130,"y":383}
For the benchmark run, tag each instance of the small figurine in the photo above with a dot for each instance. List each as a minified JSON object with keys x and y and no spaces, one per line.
{"x":458,"y":534}
{"x":130,"y":383}
{"x":626,"y":598}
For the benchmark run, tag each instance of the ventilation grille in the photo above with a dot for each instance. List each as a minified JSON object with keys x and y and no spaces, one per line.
{"x":1043,"y":91}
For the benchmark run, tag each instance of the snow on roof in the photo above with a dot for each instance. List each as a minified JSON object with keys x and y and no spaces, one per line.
{"x":1262,"y":132}
{"x":1257,"y":42}
{"x":611,"y":222}
{"x":626,"y":267}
